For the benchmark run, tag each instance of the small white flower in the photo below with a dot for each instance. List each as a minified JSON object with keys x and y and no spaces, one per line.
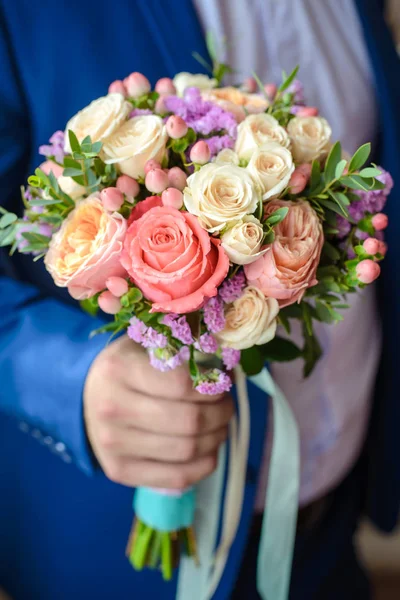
{"x":271,"y":166}
{"x":99,"y":120}
{"x":257,"y":130}
{"x":250,"y":320}
{"x":186,"y":80}
{"x":221,"y":194}
{"x":242,"y":242}
{"x":310,"y":138}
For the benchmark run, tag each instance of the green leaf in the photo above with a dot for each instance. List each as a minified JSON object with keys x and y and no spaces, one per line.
{"x":315,"y":175}
{"x":323,"y":312}
{"x":334,"y":207}
{"x":340,"y":167}
{"x":311,"y":351}
{"x":211,"y":47}
{"x":44,"y":201}
{"x":202,"y":61}
{"x":268,"y":237}
{"x":36,"y":238}
{"x":330,"y":251}
{"x":289,"y":80}
{"x":340,"y":198}
{"x":277,"y":216}
{"x":71,"y":163}
{"x":34,"y":181}
{"x":73,"y":141}
{"x":306,"y":308}
{"x":179,"y":146}
{"x":355,"y":182}
{"x":284,"y":321}
{"x":43,"y":178}
{"x":7,"y":236}
{"x":72,"y":172}
{"x":252,"y":360}
{"x":90,"y":306}
{"x":360,"y":157}
{"x":135,"y":295}
{"x":280,"y":350}
{"x":294,"y":311}
{"x":96,"y":147}
{"x":370,"y":172}
{"x":7,"y":220}
{"x":191,"y":136}
{"x":332,"y":162}
{"x":193,"y":368}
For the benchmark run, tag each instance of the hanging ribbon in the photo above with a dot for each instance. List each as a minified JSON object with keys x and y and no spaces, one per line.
{"x":281,"y":503}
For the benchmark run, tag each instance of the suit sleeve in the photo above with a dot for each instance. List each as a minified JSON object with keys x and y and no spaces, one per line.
{"x":45,"y":351}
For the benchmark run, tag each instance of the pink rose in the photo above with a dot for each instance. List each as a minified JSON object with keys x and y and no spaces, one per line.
{"x":143,"y":207}
{"x":173,"y":260}
{"x":86,"y":250}
{"x":290,"y":267}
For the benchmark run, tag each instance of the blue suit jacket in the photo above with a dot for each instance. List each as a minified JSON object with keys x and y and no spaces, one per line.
{"x":62,"y":534}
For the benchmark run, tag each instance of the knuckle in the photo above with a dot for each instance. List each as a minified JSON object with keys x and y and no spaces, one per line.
{"x":107,"y":439}
{"x":110,"y":365}
{"x":180,"y":480}
{"x":115,"y":471}
{"x":194,"y":420}
{"x":107,"y":408}
{"x":188,"y":449}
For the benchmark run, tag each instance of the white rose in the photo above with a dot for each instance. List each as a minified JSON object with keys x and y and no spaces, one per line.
{"x":310,"y":138}
{"x":186,"y":80}
{"x":99,"y":120}
{"x":242,"y":242}
{"x":250,"y":320}
{"x":70,"y":187}
{"x":135,"y":142}
{"x":221,"y":194}
{"x":257,"y":130}
{"x":271,"y":166}
{"x":226,"y":157}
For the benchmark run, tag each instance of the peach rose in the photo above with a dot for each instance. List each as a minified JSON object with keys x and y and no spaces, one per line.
{"x":250,"y":320}
{"x":237,"y":102}
{"x":173,"y":260}
{"x":290,"y":267}
{"x":86,"y":250}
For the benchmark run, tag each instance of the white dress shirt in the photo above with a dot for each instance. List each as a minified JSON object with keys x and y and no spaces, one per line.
{"x":325,"y":38}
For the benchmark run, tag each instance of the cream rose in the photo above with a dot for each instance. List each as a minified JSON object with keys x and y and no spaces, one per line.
{"x":226,"y":157}
{"x":135,"y":142}
{"x":250,"y":320}
{"x":242,"y":242}
{"x":186,"y":80}
{"x":310,"y":138}
{"x":221,"y":194}
{"x":99,"y":120}
{"x":257,"y":130}
{"x":70,"y":187}
{"x":271,"y":166}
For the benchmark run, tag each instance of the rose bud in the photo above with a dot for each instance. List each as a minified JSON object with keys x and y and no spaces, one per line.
{"x":165,"y":85}
{"x":371,"y":246}
{"x":128,"y":186}
{"x":112,"y":199}
{"x":382,"y":248}
{"x":298,"y":182}
{"x":151,"y":164}
{"x":380,"y":221}
{"x":137,"y":85}
{"x":307,"y":111}
{"x":160,"y":107}
{"x":117,"y":87}
{"x":118,"y":286}
{"x":306,"y":169}
{"x":200,"y":153}
{"x":249,"y":85}
{"x":172,"y":197}
{"x":177,"y":178}
{"x":367,"y":271}
{"x":156,"y":181}
{"x":270,"y":90}
{"x":176,"y":127}
{"x":109,"y":303}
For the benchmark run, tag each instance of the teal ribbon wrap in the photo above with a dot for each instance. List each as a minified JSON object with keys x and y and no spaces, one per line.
{"x":164,"y":512}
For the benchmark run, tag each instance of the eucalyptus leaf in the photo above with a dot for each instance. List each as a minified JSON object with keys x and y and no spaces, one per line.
{"x":360,"y":157}
{"x":73,"y":141}
{"x":340,"y":167}
{"x":72,"y":172}
{"x":332,"y":162}
{"x":7,"y":220}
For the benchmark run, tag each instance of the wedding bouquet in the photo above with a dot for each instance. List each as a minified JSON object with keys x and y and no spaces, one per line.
{"x":202,"y":217}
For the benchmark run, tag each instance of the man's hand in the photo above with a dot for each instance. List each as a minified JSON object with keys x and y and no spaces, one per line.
{"x":149,"y":428}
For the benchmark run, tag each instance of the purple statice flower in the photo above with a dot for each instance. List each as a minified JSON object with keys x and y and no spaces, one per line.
{"x":232,"y":288}
{"x":214,"y":317}
{"x":206,"y":118}
{"x":137,"y":330}
{"x":27,"y":227}
{"x":140,"y":112}
{"x":297,"y":89}
{"x":230,"y":357}
{"x":219,"y":142}
{"x":55,"y":147}
{"x":154,"y":339}
{"x":296,"y":108}
{"x":165,"y":360}
{"x":214,"y":382}
{"x":179,"y":326}
{"x":207,"y":344}
{"x":344,"y":227}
